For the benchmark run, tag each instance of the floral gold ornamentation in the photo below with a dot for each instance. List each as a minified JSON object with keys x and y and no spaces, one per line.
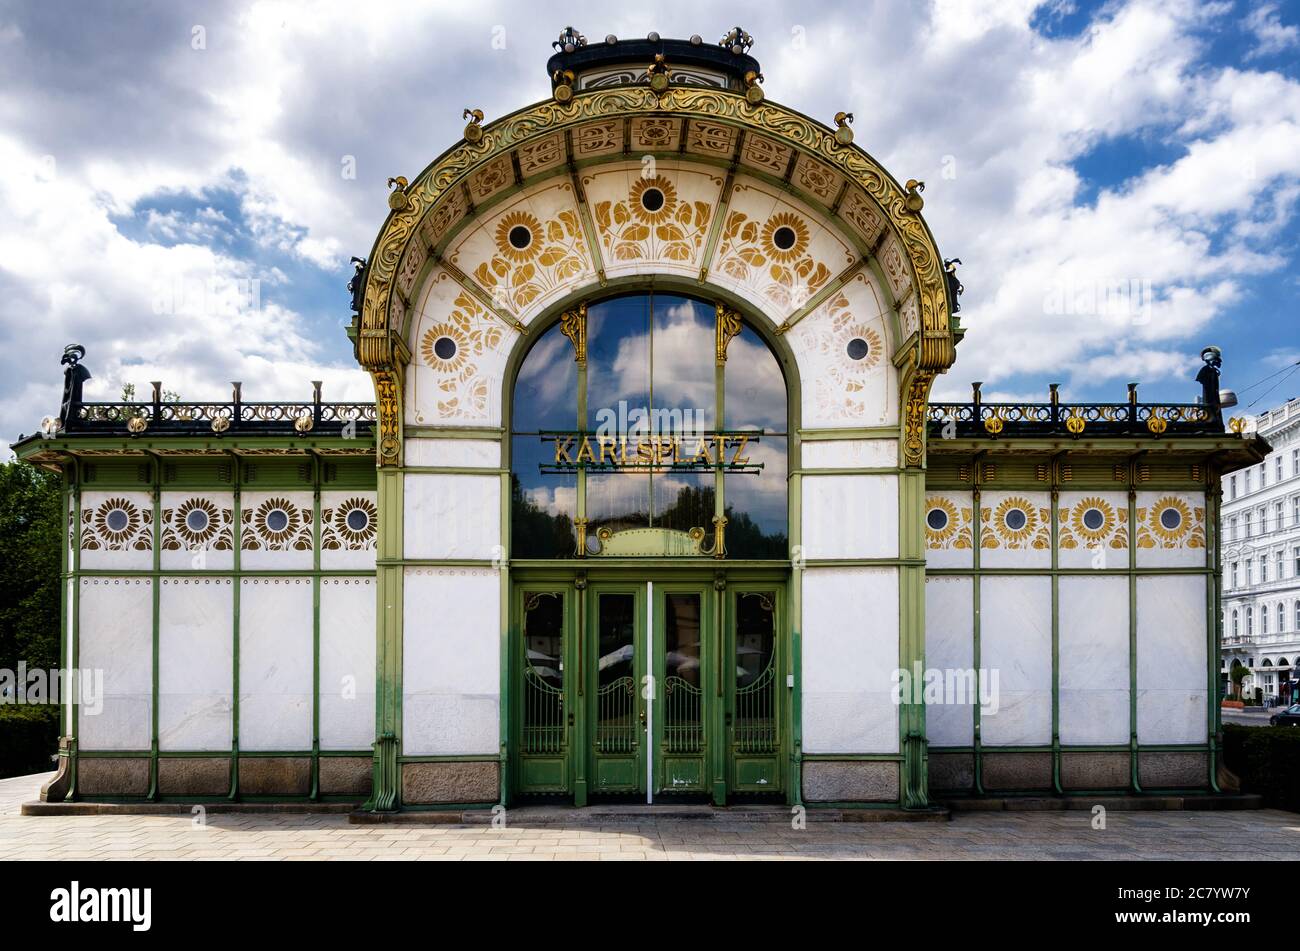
{"x":508,"y":224}
{"x":674,"y":231}
{"x":796,"y":225}
{"x":573,"y":324}
{"x":726,"y":328}
{"x":1171,"y":523}
{"x":555,"y":254}
{"x":748,"y":253}
{"x":1075,"y":532}
{"x":463,"y":388}
{"x":956,"y":531}
{"x":834,"y":333}
{"x":1007,"y":530}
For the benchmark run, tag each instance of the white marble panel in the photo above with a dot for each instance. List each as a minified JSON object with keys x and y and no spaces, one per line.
{"x":1093,"y":651}
{"x":844,"y":351}
{"x":451,"y":516}
{"x":115,"y":637}
{"x":275,"y":664}
{"x":950,"y":649}
{"x":1171,"y":659}
{"x":850,"y":516}
{"x":458,"y":381}
{"x":849,"y":453}
{"x":347,"y":663}
{"x":850,"y":654}
{"x":451,"y":661}
{"x":457,"y":453}
{"x":196,"y":636}
{"x":1016,"y":643}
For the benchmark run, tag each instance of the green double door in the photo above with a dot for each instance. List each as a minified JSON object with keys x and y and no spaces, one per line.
{"x":649,"y":690}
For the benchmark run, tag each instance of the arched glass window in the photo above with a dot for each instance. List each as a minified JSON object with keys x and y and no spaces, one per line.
{"x":654,"y":432}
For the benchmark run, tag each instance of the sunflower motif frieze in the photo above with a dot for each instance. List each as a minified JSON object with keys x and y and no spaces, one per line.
{"x":197,"y":523}
{"x":117,"y":524}
{"x":1093,"y":522}
{"x":1015,"y":523}
{"x":1171,"y":522}
{"x":948,"y":523}
{"x":276,"y":524}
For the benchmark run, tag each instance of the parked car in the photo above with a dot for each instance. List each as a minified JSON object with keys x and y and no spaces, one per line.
{"x":1288,"y":717}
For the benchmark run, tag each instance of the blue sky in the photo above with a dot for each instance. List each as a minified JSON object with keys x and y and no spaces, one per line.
{"x":184,"y":184}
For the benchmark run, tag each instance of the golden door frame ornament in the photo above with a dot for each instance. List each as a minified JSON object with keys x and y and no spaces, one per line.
{"x":381,"y":350}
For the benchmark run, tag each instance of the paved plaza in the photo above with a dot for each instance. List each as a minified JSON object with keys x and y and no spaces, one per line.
{"x":1268,"y":834}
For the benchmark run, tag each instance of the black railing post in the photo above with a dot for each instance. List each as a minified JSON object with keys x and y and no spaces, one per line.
{"x":1133,"y":407}
{"x":315,"y":399}
{"x":237,"y":397}
{"x":1054,"y":399}
{"x":157,"y":400}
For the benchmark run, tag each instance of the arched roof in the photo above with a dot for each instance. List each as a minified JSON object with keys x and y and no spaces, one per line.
{"x":876,"y":217}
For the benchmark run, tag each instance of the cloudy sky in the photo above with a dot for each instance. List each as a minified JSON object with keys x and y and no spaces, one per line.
{"x":182,"y":185}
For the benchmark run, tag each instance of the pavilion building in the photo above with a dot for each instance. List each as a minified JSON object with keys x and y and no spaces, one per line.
{"x":651,"y":503}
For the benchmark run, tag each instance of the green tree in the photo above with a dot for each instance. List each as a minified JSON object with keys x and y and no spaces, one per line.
{"x":31,"y":531}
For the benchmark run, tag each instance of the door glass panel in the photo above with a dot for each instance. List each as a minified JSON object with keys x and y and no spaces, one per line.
{"x":543,"y":700}
{"x":616,"y":721}
{"x":683,"y":725}
{"x":755,"y":672}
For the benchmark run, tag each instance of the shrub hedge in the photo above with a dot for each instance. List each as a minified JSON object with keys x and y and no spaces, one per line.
{"x":1267,"y":759}
{"x":29,"y":738}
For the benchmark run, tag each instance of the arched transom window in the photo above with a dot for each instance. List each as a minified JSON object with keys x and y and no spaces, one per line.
{"x":649,"y":424}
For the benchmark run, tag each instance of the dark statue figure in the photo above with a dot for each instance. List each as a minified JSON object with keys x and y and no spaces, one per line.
{"x":357,"y":286}
{"x":73,"y":378}
{"x":1208,"y":377}
{"x":955,"y":287}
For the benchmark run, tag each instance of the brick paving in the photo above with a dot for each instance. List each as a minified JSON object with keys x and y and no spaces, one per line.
{"x":1268,"y":834}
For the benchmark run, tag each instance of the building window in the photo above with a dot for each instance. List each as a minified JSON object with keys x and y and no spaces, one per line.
{"x":1236,"y":622}
{"x":1281,"y":573}
{"x":1277,"y":469}
{"x":1295,"y":510}
{"x":1263,"y":619}
{"x":644,"y":419}
{"x":1236,"y":486}
{"x":1250,"y":622}
{"x":1277,"y":517}
{"x":1297,"y":615}
{"x":1281,"y":618}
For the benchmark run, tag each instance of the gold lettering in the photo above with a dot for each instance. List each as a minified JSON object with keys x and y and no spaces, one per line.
{"x":562,"y":447}
{"x":607,"y":447}
{"x":737,"y":459}
{"x":585,"y":448}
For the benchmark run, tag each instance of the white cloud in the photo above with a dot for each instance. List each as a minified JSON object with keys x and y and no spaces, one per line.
{"x":108,"y":109}
{"x":1271,"y":35}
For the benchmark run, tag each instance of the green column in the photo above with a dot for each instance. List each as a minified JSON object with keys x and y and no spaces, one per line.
{"x":386,"y":792}
{"x":914,"y":789}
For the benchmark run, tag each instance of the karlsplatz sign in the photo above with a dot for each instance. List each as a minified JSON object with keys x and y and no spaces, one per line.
{"x":699,"y":452}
